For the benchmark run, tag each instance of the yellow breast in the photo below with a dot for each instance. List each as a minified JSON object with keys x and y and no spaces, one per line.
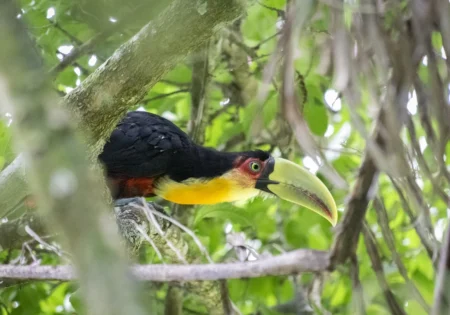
{"x":201,"y":191}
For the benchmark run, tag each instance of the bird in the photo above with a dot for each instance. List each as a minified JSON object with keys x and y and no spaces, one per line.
{"x":148,"y":155}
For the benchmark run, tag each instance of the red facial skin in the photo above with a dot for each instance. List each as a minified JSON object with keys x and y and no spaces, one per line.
{"x":247,"y":167}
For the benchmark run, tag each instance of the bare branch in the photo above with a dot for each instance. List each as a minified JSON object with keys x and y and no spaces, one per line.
{"x":350,"y":226}
{"x":302,"y":260}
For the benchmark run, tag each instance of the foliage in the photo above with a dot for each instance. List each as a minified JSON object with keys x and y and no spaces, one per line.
{"x":271,"y":226}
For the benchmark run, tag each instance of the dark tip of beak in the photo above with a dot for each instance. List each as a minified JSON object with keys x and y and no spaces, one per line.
{"x":263,"y":179}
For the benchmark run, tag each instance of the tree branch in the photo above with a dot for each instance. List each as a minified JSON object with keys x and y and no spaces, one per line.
{"x":133,"y":220}
{"x":160,"y":45}
{"x":105,"y":96}
{"x":302,"y":260}
{"x":350,"y":226}
{"x":137,"y":230}
{"x":66,"y":188}
{"x":149,"y":10}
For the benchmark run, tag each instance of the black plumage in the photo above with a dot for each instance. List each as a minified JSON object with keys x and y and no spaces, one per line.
{"x":146,"y":145}
{"x":148,"y":155}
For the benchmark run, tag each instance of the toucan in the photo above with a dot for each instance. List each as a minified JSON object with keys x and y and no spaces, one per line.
{"x":148,"y":155}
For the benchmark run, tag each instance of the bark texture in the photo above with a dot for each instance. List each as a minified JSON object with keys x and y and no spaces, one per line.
{"x":105,"y":96}
{"x":66,"y":188}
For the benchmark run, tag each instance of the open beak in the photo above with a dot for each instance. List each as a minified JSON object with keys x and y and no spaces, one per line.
{"x":293,"y":183}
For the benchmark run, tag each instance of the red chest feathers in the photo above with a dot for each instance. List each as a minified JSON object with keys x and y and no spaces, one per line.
{"x":132,"y":187}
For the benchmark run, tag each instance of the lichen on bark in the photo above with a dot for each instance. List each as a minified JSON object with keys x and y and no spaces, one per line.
{"x":105,"y":96}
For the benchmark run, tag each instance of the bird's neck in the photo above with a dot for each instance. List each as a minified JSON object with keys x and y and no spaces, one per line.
{"x":200,"y":162}
{"x":212,"y":181}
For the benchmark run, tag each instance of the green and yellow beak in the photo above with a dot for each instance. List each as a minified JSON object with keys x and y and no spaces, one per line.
{"x":293,"y":183}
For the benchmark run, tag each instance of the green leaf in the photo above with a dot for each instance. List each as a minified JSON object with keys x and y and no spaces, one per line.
{"x":294,"y":235}
{"x":181,"y":74}
{"x":247,"y":115}
{"x":6,"y":150}
{"x":377,"y":309}
{"x":263,"y":288}
{"x":316,"y":116}
{"x":224,"y":211}
{"x":75,"y":300}
{"x":259,"y":24}
{"x":342,"y":293}
{"x":270,"y":108}
{"x":55,"y":299}
{"x":412,"y":307}
{"x":318,"y":238}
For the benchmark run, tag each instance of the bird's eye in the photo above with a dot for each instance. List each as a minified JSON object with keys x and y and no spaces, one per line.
{"x":255,"y":167}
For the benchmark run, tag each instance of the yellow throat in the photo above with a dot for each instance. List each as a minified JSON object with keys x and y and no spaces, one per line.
{"x":230,"y":187}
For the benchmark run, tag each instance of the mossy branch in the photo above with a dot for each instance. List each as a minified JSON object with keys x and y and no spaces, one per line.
{"x":105,"y":96}
{"x":66,"y":189}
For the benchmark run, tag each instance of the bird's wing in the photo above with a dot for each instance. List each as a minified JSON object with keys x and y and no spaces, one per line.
{"x":142,"y":145}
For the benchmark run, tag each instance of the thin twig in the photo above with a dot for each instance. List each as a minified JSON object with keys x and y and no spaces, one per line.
{"x":187,"y":231}
{"x":377,"y":266}
{"x":442,"y":290}
{"x":358,"y":294}
{"x":419,"y":227}
{"x":388,"y":235}
{"x":423,"y":164}
{"x":65,"y":32}
{"x":149,"y":240}
{"x":151,"y":219}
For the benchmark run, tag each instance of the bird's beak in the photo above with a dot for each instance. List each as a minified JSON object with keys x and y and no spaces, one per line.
{"x":293,"y":183}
